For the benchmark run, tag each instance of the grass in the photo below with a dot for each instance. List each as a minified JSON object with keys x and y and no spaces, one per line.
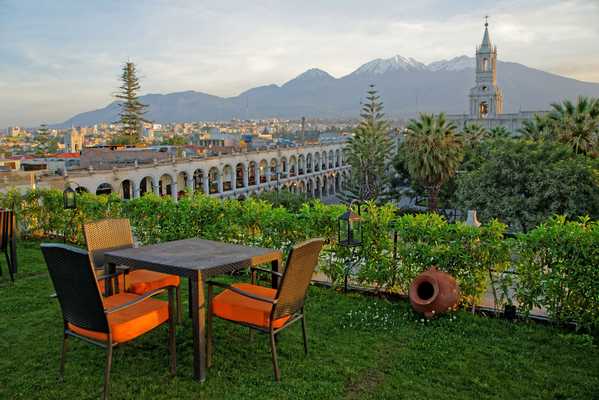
{"x":360,"y":348}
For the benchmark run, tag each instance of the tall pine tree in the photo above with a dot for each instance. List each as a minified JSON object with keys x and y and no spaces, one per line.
{"x":132,"y":110}
{"x":369,"y":152}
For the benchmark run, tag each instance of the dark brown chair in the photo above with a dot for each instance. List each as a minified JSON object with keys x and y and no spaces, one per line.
{"x":264,"y":309}
{"x":105,"y":322}
{"x":8,"y":241}
{"x":112,"y":234}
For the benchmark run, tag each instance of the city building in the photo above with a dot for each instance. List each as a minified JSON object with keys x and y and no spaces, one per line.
{"x":74,"y":140}
{"x":486,"y":98}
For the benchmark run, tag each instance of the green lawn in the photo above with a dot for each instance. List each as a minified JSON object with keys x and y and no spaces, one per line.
{"x":361,"y":348}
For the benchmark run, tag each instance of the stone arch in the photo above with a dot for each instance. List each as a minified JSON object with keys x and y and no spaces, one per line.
{"x":337,"y":182}
{"x":284,"y":167}
{"x":316,"y":162}
{"x":337,"y":158}
{"x":198,"y":180}
{"x":239,"y":174}
{"x":227,"y":178}
{"x":146,"y":185}
{"x":331,"y":185}
{"x":323,"y":159}
{"x":309,"y":163}
{"x":104,"y":189}
{"x":165,"y":185}
{"x":127,"y":189}
{"x":81,"y":189}
{"x":301,"y":187}
{"x":292,"y":166}
{"x":331,"y":159}
{"x":262,"y":167}
{"x":301,"y":164}
{"x":252,"y":173}
{"x":310,"y":187}
{"x":182,"y":178}
{"x":213,"y":180}
{"x":274,"y":169}
{"x":317,"y":187}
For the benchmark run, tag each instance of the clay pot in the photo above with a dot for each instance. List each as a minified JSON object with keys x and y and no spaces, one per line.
{"x":434,"y":292}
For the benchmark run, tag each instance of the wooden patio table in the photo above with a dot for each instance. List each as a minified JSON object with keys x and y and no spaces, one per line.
{"x":197,"y":260}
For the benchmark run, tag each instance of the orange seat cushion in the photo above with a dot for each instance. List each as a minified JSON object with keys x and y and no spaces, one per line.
{"x":235,"y":307}
{"x":131,"y":322}
{"x":142,"y":281}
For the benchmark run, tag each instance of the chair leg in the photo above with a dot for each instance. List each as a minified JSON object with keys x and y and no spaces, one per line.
{"x":107,"y":370}
{"x":63,"y":355}
{"x":179,"y":306}
{"x":275,"y":364}
{"x":209,"y":345}
{"x":304,"y":333}
{"x":172,"y":344}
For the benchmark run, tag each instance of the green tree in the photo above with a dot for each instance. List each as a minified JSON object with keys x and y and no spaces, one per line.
{"x":369,"y":152}
{"x":132,"y":110}
{"x":499,"y":132}
{"x":433,"y":153}
{"x":577,"y":124}
{"x":537,"y":129}
{"x":523,"y":183}
{"x":473,"y":133}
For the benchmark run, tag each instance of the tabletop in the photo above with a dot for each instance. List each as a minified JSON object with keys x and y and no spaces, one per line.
{"x":189,"y":256}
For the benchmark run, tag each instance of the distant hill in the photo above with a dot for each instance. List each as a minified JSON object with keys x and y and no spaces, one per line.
{"x":407,"y":87}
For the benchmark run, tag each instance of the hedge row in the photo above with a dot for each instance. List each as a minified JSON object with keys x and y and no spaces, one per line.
{"x":556,"y":264}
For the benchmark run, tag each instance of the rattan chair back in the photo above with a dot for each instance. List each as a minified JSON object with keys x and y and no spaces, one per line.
{"x":301,"y":263}
{"x":76,"y":287}
{"x":105,"y":235}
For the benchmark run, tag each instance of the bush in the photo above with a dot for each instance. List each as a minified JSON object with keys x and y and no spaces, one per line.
{"x":556,"y":262}
{"x":558,"y":269}
{"x":524,"y":183}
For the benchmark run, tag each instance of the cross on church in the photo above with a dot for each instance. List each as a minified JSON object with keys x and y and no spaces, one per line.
{"x":486,"y":20}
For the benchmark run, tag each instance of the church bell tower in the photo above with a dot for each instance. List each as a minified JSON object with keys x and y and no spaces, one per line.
{"x":486,"y":99}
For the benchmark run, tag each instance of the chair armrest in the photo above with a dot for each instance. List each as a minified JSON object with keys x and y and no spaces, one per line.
{"x":270,"y":271}
{"x":106,"y":276}
{"x":243,"y":292}
{"x":136,"y":301}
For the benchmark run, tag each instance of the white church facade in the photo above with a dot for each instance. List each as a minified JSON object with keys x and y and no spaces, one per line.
{"x":486,"y":98}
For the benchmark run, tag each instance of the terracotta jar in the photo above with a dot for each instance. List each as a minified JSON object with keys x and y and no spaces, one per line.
{"x":434,"y":292}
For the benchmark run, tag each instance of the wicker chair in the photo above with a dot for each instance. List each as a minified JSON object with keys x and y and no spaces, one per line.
{"x":268,"y":310}
{"x":105,"y":322}
{"x":113,"y":234}
{"x":8,"y":243}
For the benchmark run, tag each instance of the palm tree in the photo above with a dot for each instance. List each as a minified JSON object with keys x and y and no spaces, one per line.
{"x":577,"y":124}
{"x":537,"y":129}
{"x":434,"y":152}
{"x":499,"y":132}
{"x":473,"y":133}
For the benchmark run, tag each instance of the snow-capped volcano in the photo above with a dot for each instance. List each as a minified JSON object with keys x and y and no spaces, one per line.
{"x":381,"y":66}
{"x":455,"y":64}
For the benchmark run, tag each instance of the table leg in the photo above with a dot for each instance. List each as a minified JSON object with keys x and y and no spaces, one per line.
{"x":275,"y":264}
{"x":109,"y":268}
{"x":198,"y":320}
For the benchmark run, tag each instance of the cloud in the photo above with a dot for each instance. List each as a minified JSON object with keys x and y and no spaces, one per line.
{"x":64,"y":57}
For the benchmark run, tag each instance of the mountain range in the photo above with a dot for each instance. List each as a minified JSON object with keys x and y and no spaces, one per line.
{"x":406,"y":86}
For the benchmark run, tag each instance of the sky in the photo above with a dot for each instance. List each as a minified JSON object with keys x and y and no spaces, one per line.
{"x":59,"y":58}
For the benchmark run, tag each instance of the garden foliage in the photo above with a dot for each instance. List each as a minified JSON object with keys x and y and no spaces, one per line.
{"x":556,"y":263}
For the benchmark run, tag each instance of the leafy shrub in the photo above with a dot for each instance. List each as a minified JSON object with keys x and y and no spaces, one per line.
{"x":558,"y":269}
{"x":556,"y":263}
